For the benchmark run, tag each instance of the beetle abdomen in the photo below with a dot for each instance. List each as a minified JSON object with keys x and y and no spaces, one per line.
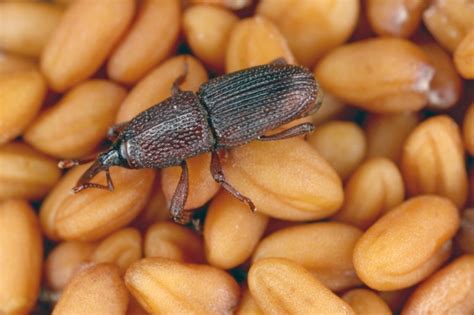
{"x":245,"y":104}
{"x":168,"y":133}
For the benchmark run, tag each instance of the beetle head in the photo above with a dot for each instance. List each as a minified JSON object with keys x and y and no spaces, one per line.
{"x":103,"y":162}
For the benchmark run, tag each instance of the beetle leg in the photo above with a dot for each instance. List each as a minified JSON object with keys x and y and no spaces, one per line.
{"x":218,"y":175}
{"x":297,"y":130}
{"x":279,"y":61}
{"x":177,"y":212}
{"x":179,"y":80}
{"x":115,"y":130}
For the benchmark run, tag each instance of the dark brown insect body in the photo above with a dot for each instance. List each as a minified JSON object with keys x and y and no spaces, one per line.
{"x":227,"y":111}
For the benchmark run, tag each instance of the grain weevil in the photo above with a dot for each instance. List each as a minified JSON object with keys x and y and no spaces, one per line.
{"x":227,"y":111}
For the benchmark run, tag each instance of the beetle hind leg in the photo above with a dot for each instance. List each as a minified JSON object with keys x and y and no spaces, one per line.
{"x":179,"y":80}
{"x":177,"y":212}
{"x":218,"y":175}
{"x":295,"y":131}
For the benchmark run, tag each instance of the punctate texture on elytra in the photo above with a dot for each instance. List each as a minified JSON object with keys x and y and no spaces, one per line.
{"x":395,"y":17}
{"x":27,"y":26}
{"x":202,"y":186}
{"x":21,"y":254}
{"x":229,"y":221}
{"x":207,"y":29}
{"x":325,"y":249}
{"x":21,"y":96}
{"x":95,"y":213}
{"x":86,"y":34}
{"x":156,"y":85}
{"x":386,"y":134}
{"x":98,"y":289}
{"x":175,"y":242}
{"x":163,"y":286}
{"x":382,"y":75}
{"x":448,"y":291}
{"x":78,"y":123}
{"x":25,"y":173}
{"x":342,"y":144}
{"x":270,"y":280}
{"x":64,"y":261}
{"x":255,"y":41}
{"x":449,"y":21}
{"x":151,"y":39}
{"x":285,"y":179}
{"x":407,"y":244}
{"x":121,"y":248}
{"x":312,"y":28}
{"x":375,"y":188}
{"x":433,"y":160}
{"x":366,"y":302}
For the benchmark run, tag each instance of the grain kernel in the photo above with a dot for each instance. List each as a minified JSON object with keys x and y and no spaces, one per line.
{"x":285,"y":179}
{"x":464,"y":56}
{"x":386,"y":134}
{"x":255,"y":41}
{"x":95,"y":213}
{"x":85,"y":36}
{"x":175,"y":242}
{"x":330,"y":109}
{"x":450,"y":290}
{"x":342,"y":144}
{"x":82,"y":118}
{"x":25,"y":173}
{"x":202,"y":186}
{"x":98,"y":289}
{"x":312,"y":28}
{"x":156,"y":86}
{"x":64,"y":261}
{"x":375,"y":188}
{"x":121,"y":248}
{"x":324,"y":249}
{"x":10,"y":63}
{"x":271,"y":279}
{"x":27,"y":26}
{"x":53,"y":201}
{"x":165,"y":286}
{"x":433,"y":160}
{"x":395,"y":17}
{"x":407,"y":244}
{"x":229,"y":4}
{"x":366,"y":302}
{"x":231,"y":231}
{"x":468,"y":129}
{"x":446,"y":86}
{"x":156,"y":209}
{"x":449,"y":21}
{"x":394,"y":75}
{"x":465,"y":237}
{"x":21,"y":96}
{"x":247,"y":305}
{"x":150,"y":40}
{"x":207,"y":31}
{"x":21,"y":253}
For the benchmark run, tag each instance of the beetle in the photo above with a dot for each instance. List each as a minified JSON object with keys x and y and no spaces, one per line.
{"x":227,"y":111}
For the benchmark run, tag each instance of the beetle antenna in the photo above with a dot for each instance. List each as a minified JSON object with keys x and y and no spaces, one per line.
{"x":65,"y":164}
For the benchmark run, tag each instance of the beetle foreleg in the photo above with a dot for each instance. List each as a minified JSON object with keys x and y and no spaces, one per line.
{"x":179,"y":80}
{"x":218,"y":175}
{"x":177,"y":212}
{"x":297,"y":130}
